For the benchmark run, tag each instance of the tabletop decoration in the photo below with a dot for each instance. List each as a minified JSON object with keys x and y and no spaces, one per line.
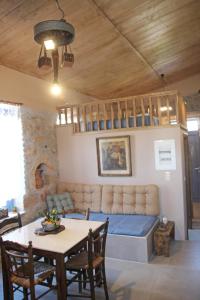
{"x":40,"y":231}
{"x":51,"y":220}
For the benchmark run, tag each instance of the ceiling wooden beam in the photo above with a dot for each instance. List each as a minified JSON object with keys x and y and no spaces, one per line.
{"x":128,"y":42}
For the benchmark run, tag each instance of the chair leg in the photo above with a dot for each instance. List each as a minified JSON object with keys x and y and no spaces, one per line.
{"x":80,"y":283}
{"x":25,"y":292}
{"x":104,"y":281}
{"x":32,"y":293}
{"x":91,"y":279}
{"x":84,"y":279}
{"x":11,"y":291}
{"x":98,"y":273}
{"x":50,"y":280}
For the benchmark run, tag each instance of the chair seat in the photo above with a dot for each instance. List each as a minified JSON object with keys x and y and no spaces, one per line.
{"x":80,"y":261}
{"x":41,"y":272}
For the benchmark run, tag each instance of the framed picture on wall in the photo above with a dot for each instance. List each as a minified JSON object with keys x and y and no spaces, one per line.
{"x":114,"y":156}
{"x":165,"y":155}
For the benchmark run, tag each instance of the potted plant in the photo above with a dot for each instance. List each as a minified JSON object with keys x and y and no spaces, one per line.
{"x":51,"y":220}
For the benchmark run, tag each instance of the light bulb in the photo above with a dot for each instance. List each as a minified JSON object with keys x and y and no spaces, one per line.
{"x":165,"y":108}
{"x":56,"y":89}
{"x":49,"y":44}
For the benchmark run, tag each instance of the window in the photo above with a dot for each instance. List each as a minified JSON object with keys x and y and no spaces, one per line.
{"x":192,"y":125}
{"x":12,"y":185}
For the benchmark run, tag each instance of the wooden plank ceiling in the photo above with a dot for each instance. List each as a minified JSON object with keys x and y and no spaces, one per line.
{"x":121,"y":46}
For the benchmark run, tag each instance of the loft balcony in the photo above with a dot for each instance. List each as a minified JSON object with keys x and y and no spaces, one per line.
{"x":149,"y":110}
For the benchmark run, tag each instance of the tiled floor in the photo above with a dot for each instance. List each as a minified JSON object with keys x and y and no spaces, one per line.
{"x":194,"y":234}
{"x":173,"y":278}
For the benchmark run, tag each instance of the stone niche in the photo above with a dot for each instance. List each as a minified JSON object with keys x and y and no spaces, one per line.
{"x":40,"y":156}
{"x":41,"y":176}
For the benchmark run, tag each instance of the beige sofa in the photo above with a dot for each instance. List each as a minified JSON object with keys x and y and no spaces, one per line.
{"x":119,"y":199}
{"x":113,"y":199}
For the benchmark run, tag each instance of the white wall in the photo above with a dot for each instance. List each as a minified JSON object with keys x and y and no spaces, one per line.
{"x":78,"y":163}
{"x":186,"y":87}
{"x":34,"y":92}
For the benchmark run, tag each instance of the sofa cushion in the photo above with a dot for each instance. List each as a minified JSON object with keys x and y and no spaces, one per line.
{"x":84,"y":196}
{"x":134,"y":225}
{"x":130,"y":199}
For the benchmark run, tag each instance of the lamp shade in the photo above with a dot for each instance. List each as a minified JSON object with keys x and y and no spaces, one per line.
{"x":61,"y":32}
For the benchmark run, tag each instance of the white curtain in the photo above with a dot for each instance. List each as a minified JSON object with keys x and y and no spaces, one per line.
{"x":12,"y":183}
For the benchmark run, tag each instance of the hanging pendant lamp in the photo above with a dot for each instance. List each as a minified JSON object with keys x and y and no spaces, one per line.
{"x":52,"y":34}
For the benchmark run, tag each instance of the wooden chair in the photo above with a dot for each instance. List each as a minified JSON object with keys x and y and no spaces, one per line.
{"x":89,"y":265}
{"x":10,"y":223}
{"x":86,"y":214}
{"x":23,"y":271}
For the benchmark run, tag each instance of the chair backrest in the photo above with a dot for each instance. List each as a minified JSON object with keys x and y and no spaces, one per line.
{"x":10,"y":223}
{"x":84,"y":212}
{"x":87,"y":214}
{"x":97,"y":242}
{"x":18,"y":259}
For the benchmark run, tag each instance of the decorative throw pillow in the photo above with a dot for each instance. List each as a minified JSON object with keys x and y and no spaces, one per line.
{"x":50,"y":202}
{"x":58,"y":204}
{"x":67,"y":202}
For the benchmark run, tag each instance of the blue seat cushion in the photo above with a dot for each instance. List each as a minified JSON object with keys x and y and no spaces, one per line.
{"x":134,"y":225}
{"x":75,"y":216}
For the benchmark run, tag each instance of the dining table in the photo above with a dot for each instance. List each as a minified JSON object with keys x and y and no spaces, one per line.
{"x":52,"y":246}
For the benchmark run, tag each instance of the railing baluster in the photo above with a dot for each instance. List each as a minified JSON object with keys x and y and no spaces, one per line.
{"x":97,"y":117}
{"x":105,"y":116}
{"x":168,"y":111}
{"x":59,"y":115}
{"x":84,"y":117}
{"x":66,"y":120}
{"x":150,"y":112}
{"x":71,"y":108}
{"x":119,"y":114}
{"x":77,"y":123}
{"x":134,"y":112}
{"x":142,"y":111}
{"x":126,"y":112}
{"x":177,"y":110}
{"x":159,"y":112}
{"x":112,"y":116}
{"x":90,"y":117}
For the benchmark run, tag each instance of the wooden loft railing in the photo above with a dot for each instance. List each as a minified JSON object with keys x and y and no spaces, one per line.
{"x":157,"y":109}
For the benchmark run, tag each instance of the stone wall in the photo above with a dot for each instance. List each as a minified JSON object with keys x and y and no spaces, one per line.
{"x":39,"y":148}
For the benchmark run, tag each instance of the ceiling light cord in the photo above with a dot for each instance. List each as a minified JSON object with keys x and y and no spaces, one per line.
{"x":61,"y":10}
{"x":164,"y":81}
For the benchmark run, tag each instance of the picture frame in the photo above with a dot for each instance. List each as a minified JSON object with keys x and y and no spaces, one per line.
{"x":165,"y":155}
{"x":114,"y":156}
